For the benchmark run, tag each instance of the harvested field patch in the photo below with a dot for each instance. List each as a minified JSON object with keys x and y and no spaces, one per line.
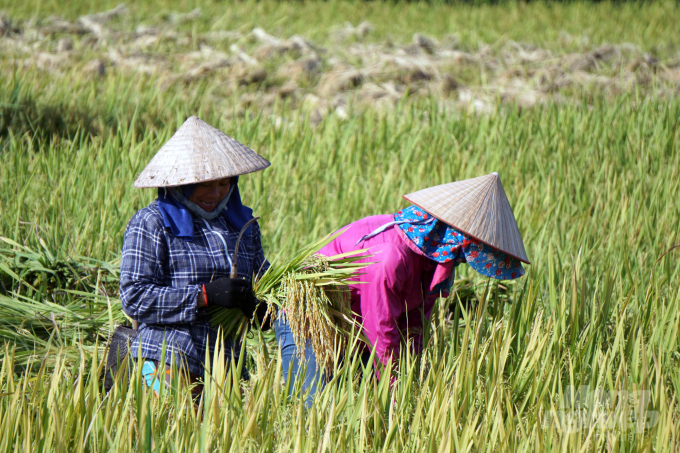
{"x":510,"y":71}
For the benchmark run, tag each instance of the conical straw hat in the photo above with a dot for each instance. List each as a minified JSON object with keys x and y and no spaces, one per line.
{"x":477,"y":207}
{"x":197,"y":153}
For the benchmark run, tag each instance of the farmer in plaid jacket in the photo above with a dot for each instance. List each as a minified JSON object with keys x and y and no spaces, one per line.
{"x":178,"y":251}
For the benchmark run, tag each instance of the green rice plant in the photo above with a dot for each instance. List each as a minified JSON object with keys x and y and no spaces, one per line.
{"x":44,"y":274}
{"x":35,"y":328}
{"x":556,"y":25}
{"x":505,"y":382}
{"x":48,"y":302}
{"x":593,"y":190}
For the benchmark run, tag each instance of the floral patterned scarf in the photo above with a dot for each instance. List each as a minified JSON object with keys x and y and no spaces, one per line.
{"x":442,"y":243}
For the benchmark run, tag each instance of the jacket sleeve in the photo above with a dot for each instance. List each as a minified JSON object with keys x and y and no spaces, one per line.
{"x":382,"y":301}
{"x":144,"y":293}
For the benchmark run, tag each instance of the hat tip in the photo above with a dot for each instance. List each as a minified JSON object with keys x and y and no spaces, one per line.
{"x":494,"y":173}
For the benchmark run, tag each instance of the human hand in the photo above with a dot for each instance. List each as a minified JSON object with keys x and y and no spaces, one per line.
{"x":231,"y":293}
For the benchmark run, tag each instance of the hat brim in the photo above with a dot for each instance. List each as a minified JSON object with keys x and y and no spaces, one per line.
{"x":467,"y":233}
{"x":137,"y":185}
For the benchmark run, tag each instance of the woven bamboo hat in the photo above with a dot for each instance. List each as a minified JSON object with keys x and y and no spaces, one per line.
{"x":197,"y":153}
{"x":479,"y":208}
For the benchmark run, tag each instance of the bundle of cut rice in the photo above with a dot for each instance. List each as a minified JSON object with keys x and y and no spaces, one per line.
{"x":311,"y":291}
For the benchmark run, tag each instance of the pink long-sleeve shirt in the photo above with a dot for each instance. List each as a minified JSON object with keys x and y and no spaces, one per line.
{"x":391,"y":303}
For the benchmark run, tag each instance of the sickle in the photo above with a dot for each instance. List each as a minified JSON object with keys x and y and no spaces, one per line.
{"x":234,"y":266}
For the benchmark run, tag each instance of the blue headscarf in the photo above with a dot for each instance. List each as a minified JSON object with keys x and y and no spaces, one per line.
{"x":443,"y":243}
{"x":180,"y":220}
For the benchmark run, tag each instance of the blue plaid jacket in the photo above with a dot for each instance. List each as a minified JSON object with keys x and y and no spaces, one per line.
{"x":161,"y":277}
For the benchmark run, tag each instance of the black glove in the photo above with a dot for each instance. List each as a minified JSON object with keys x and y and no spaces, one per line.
{"x":231,"y":293}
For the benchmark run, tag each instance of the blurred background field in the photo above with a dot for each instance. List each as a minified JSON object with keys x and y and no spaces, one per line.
{"x":575,"y":105}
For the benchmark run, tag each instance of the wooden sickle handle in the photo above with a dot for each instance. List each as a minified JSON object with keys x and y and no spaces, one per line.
{"x":234,"y":265}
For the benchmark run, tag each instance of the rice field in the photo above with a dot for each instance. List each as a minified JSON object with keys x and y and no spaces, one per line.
{"x":575,"y":105}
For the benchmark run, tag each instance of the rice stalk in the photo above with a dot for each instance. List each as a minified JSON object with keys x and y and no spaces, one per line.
{"x":316,"y":312}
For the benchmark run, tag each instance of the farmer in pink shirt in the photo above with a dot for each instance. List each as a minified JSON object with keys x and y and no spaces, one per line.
{"x":415,"y":252}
